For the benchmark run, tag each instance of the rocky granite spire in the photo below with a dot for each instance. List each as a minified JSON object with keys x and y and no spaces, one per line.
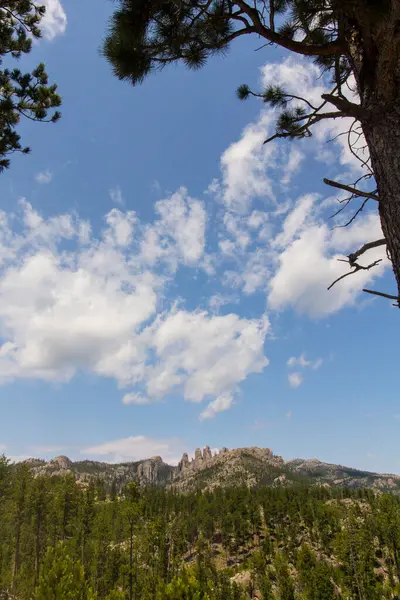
{"x":198,"y":457}
{"x":207,"y":453}
{"x":238,"y":466}
{"x":184,"y":462}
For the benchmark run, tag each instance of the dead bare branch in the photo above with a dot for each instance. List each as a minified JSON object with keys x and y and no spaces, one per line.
{"x":356,"y":267}
{"x":342,"y":208}
{"x":355,"y":255}
{"x":352,"y":190}
{"x":359,"y":209}
{"x":389,"y":296}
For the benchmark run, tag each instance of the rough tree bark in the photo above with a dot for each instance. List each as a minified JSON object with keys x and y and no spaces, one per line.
{"x":374,"y":45}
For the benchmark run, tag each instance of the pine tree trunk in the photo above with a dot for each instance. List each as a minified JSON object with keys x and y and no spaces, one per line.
{"x":373,"y":35}
{"x":16,"y":555}
{"x":37,"y":545}
{"x":131,"y":561}
{"x":383,"y":140}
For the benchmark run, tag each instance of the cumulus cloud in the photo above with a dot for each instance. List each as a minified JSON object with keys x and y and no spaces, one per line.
{"x":116,"y":196}
{"x":205,"y":355}
{"x":220,"y":404}
{"x":44,"y":177}
{"x":101,"y":307}
{"x":245,"y":165}
{"x":135,"y":448}
{"x":301,"y":361}
{"x":46,"y":450}
{"x":307,"y":255}
{"x":295,"y":379}
{"x":217,"y":301}
{"x":178,"y":234}
{"x":295,"y":159}
{"x":54,"y":22}
{"x":72,"y":300}
{"x":136,"y":398}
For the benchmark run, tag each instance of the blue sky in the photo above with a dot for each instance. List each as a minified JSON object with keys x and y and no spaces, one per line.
{"x":164,"y":274}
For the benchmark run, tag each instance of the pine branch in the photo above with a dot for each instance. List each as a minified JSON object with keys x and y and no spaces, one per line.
{"x":348,"y":188}
{"x":304,"y":130}
{"x":336,"y":47}
{"x":352,"y":109}
{"x":383,"y":295}
{"x":356,"y":267}
{"x":355,"y":255}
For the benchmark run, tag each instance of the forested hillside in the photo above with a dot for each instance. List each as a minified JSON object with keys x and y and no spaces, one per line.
{"x":65,"y":541}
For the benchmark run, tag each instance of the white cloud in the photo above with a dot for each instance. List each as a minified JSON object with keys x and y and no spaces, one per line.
{"x":244,"y":167}
{"x":136,"y":448}
{"x":136,"y":398}
{"x":44,"y":177}
{"x":97,"y":307}
{"x":46,"y":450}
{"x":184,"y":219}
{"x":296,"y":219}
{"x":289,"y":415}
{"x":178,"y":235}
{"x":295,"y":379}
{"x":301,"y":361}
{"x":218,"y":300}
{"x":19,"y":458}
{"x":220,"y":404}
{"x":307,"y":255}
{"x":107,"y":305}
{"x":295,"y":159}
{"x":54,"y":22}
{"x":121,"y":226}
{"x":116,"y":196}
{"x":206,"y":355}
{"x":256,"y":271}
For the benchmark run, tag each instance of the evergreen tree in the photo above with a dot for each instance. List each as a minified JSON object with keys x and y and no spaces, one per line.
{"x":39,"y":512}
{"x":345,"y":38}
{"x":26,"y":95}
{"x":62,"y":578}
{"x":4,"y":478}
{"x":131,"y":513}
{"x":21,"y":483}
{"x":283,"y":578}
{"x":184,"y":587}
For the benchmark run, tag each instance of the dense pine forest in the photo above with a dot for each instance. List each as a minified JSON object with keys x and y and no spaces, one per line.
{"x":62,"y":540}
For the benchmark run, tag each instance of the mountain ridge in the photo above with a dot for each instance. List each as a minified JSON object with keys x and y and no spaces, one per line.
{"x":250,"y":466}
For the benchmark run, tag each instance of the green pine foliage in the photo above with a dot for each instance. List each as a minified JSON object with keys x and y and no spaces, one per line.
{"x":147,"y":35}
{"x":62,"y":577}
{"x":67,"y":541}
{"x":22,"y":95}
